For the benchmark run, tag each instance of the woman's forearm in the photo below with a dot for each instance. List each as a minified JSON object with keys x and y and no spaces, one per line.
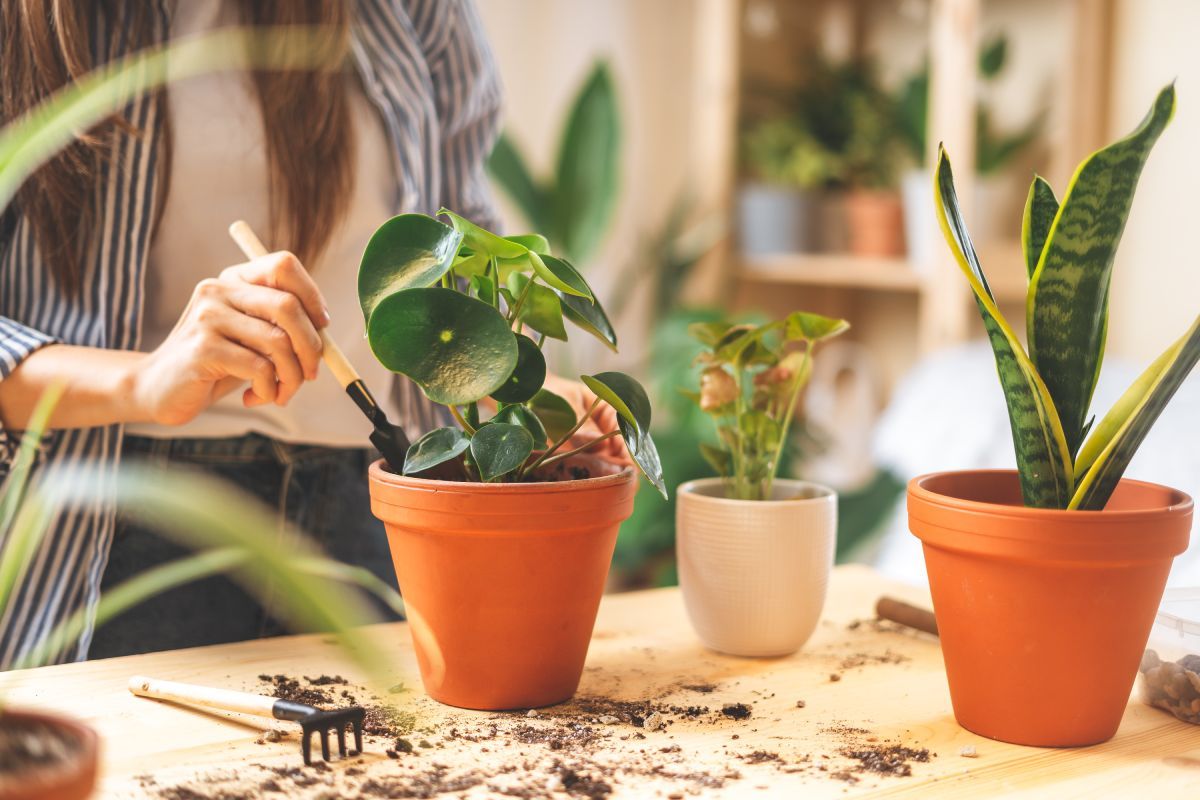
{"x":99,"y":387}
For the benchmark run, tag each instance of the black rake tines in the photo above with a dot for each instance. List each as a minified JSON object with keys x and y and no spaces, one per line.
{"x":313,"y":720}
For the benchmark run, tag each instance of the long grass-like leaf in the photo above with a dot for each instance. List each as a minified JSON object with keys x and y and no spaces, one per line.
{"x":508,"y":168}
{"x":12,"y":491}
{"x":1111,"y":447}
{"x":1042,"y":458}
{"x":1067,"y":302}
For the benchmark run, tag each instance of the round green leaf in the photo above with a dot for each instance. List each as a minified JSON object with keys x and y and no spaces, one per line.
{"x":455,"y":347}
{"x":555,"y":413}
{"x":532,"y":241}
{"x":801,"y":325}
{"x":527,"y":376}
{"x":624,"y":394}
{"x":644,"y":454}
{"x":559,"y":274}
{"x":482,"y":241}
{"x":406,"y":252}
{"x":499,"y":448}
{"x":541,"y":309}
{"x":523,"y":416}
{"x":435,"y":447}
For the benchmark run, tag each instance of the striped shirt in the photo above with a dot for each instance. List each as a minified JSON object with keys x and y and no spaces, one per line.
{"x":425,"y":67}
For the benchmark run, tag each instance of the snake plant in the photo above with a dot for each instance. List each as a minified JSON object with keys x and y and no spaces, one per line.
{"x":1064,"y":460}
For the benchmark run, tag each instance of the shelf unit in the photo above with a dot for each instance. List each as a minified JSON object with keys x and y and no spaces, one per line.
{"x":899,"y":311}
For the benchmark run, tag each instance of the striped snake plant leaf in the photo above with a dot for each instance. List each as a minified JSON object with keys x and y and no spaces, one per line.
{"x":1107,"y":453}
{"x":1042,"y":458}
{"x":1040,"y":208}
{"x":1067,"y":304}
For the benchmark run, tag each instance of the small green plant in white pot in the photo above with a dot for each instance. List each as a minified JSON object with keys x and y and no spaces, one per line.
{"x":754,"y":550}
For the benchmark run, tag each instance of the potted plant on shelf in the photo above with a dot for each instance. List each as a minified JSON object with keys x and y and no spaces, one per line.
{"x":754,"y":551}
{"x":1046,"y":579}
{"x":776,"y":207}
{"x":995,"y":152}
{"x":501,"y":528}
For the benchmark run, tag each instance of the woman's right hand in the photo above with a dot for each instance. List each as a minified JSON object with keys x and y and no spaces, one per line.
{"x":256,"y":323}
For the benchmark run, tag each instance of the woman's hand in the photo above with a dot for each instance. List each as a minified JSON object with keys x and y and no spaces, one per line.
{"x":256,"y":323}
{"x":603,"y":420}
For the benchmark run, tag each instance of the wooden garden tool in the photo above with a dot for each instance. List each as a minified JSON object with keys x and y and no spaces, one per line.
{"x":920,"y":619}
{"x":311,"y":719}
{"x":390,"y":440}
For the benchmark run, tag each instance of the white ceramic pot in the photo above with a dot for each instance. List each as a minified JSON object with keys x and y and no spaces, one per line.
{"x":773,"y":219}
{"x":754,"y":573}
{"x":921,"y":232}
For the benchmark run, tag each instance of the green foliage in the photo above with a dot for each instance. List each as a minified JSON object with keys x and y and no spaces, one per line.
{"x":994,"y":150}
{"x":458,"y":338}
{"x":750,"y":384}
{"x":1064,"y":461}
{"x":780,"y":151}
{"x":575,"y":204}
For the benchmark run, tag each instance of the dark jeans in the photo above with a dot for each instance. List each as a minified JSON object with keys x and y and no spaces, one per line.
{"x":321,"y":491}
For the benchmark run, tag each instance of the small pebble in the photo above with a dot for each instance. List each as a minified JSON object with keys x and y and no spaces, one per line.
{"x":835,"y":677}
{"x":969,"y":751}
{"x":800,"y":704}
{"x":654,"y":722}
{"x":533,"y":713}
{"x":609,"y":719}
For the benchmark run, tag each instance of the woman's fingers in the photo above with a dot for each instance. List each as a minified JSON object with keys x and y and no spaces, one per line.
{"x":230,"y":358}
{"x":268,"y":340}
{"x":284,"y":311}
{"x":283,"y":271}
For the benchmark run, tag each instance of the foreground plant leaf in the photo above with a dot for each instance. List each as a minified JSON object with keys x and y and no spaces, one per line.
{"x":406,"y":252}
{"x":1067,"y":305}
{"x":541,"y":310}
{"x":1043,"y":461}
{"x":809,"y":327}
{"x":527,"y":419}
{"x":1107,"y":453}
{"x":482,"y":241}
{"x":527,"y":376}
{"x":643,"y":452}
{"x":555,"y":413}
{"x":1041,"y":206}
{"x":436,"y":447}
{"x":498,"y":448}
{"x":590,"y":317}
{"x":457,"y":348}
{"x":559,"y":274}
{"x":624,"y":394}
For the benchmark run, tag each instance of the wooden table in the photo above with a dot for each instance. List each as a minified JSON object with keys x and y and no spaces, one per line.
{"x":891,"y":687}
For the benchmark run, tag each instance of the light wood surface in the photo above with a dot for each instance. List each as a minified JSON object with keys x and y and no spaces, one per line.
{"x":891,"y":684}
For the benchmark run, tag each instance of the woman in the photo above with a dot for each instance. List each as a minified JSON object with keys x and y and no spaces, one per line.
{"x":115,"y":275}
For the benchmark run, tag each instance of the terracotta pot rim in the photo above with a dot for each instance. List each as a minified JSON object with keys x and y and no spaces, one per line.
{"x":918,"y":489}
{"x":378,"y":474}
{"x":70,"y":774}
{"x":689,"y":488}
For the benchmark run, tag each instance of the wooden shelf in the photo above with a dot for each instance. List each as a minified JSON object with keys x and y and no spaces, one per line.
{"x":1002,"y":262}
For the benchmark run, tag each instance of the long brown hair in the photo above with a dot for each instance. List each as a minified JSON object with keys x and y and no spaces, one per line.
{"x":45,"y":44}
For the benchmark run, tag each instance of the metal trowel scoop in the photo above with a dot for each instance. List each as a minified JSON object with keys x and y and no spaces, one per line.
{"x":390,"y":440}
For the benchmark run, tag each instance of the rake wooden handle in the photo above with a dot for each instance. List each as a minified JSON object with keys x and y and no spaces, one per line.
{"x":252,"y":247}
{"x":906,"y":614}
{"x":225,"y":699}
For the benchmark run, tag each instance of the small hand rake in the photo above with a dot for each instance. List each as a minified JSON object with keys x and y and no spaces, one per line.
{"x":311,"y":719}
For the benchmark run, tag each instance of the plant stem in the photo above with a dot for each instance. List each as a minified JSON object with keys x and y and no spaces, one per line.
{"x":541,"y":340}
{"x":786,"y":422}
{"x":547,"y":462}
{"x":515,"y":312}
{"x":461,"y":420}
{"x":566,"y":437}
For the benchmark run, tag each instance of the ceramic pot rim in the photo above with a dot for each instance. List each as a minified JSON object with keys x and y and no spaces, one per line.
{"x":378,"y":474}
{"x":825,"y":494}
{"x":71,"y":773}
{"x":918,"y":489}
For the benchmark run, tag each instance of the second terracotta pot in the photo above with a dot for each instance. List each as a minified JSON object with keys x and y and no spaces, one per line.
{"x":1043,"y":614}
{"x":72,"y":779}
{"x":875,"y":223}
{"x":501,"y":581}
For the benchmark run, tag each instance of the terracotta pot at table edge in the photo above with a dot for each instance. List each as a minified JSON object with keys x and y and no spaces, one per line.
{"x":501,"y":582}
{"x":1043,"y":614}
{"x":875,"y":222}
{"x":74,"y":780}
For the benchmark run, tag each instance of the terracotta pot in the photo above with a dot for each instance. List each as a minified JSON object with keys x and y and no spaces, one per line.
{"x":73,"y":780}
{"x":754,"y":572}
{"x":875,"y":220}
{"x":1043,"y":614}
{"x":501,"y":582}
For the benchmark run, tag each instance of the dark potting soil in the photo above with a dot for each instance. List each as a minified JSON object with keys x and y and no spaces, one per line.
{"x":886,"y":759}
{"x":26,"y":746}
{"x":736,"y":710}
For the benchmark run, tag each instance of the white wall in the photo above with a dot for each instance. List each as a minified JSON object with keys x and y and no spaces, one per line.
{"x":1156,"y":288}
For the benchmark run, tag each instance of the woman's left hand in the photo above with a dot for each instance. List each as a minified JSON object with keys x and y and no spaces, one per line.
{"x":602,"y":420}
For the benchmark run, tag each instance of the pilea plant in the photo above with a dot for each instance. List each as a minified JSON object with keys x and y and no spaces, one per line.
{"x":750,"y":385}
{"x":1069,"y":249}
{"x":464,"y":313}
